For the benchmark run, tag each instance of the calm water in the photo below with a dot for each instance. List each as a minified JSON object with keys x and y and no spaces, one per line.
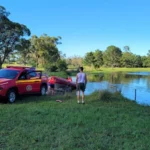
{"x":125,"y":83}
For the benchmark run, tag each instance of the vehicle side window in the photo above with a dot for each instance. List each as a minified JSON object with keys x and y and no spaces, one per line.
{"x":32,"y":74}
{"x":22,"y":76}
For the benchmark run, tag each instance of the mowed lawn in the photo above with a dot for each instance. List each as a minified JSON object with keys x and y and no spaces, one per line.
{"x":41,"y":123}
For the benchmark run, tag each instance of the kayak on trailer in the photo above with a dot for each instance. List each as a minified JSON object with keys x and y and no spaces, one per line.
{"x":63,"y":83}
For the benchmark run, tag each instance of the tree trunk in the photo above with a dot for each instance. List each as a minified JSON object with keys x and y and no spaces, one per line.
{"x":0,"y":65}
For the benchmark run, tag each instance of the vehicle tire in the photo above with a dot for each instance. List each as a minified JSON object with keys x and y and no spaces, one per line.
{"x":11,"y":96}
{"x":43,"y":90}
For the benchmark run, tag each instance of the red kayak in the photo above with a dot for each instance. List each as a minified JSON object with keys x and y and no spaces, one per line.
{"x":62,"y":83}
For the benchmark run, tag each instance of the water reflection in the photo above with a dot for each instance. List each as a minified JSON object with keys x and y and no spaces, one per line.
{"x":126,"y":83}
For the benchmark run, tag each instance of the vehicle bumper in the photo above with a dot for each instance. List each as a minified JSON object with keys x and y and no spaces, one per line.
{"x":2,"y":97}
{"x":3,"y":93}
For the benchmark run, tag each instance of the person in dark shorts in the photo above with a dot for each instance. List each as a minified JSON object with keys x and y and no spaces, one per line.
{"x":81,"y":81}
{"x":81,"y":87}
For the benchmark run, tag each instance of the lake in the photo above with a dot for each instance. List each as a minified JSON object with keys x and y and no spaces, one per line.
{"x":126,"y":83}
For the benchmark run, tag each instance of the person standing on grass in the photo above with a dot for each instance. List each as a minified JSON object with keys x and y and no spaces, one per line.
{"x":81,"y":81}
{"x":51,"y":85}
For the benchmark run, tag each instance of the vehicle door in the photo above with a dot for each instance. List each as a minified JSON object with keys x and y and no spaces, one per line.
{"x":29,"y":82}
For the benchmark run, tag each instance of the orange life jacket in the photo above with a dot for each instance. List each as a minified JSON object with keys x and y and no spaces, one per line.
{"x":52,"y":80}
{"x":70,"y":79}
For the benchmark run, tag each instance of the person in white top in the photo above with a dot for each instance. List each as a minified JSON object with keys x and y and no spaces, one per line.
{"x":81,"y":81}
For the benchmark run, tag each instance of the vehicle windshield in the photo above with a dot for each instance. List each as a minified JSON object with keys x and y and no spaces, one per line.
{"x":8,"y":74}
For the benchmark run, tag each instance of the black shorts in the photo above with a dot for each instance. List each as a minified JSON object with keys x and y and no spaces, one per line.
{"x":81,"y":86}
{"x":52,"y":86}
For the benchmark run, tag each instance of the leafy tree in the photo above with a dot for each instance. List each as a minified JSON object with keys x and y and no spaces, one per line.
{"x":69,"y":61}
{"x":75,"y":61}
{"x":44,"y":50}
{"x":127,"y":59}
{"x":131,"y":60}
{"x":62,"y":65}
{"x":137,"y":61}
{"x":12,"y":58}
{"x":148,"y":59}
{"x":148,"y":54}
{"x":145,"y":61}
{"x":89,"y":59}
{"x":126,"y":48}
{"x":10,"y":35}
{"x":24,"y":51}
{"x":112,"y":56}
{"x":51,"y":67}
{"x":98,"y":58}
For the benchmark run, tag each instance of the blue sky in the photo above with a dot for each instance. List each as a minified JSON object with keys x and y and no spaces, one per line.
{"x":86,"y":25}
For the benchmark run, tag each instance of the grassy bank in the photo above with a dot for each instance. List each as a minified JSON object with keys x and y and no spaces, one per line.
{"x":62,"y":74}
{"x":92,"y":70}
{"x":105,"y":122}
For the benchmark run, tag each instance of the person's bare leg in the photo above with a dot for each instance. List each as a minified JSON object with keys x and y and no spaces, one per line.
{"x":78,"y":97}
{"x":49,"y":90}
{"x":82,"y":97}
{"x":52,"y":91}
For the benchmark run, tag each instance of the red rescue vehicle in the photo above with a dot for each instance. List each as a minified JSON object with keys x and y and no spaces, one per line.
{"x":17,"y":80}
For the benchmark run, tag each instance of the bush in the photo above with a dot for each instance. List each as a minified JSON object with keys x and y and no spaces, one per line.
{"x":51,"y":68}
{"x":105,"y":95}
{"x":62,"y":65}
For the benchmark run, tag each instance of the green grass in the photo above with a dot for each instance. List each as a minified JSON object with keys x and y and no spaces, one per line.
{"x":62,"y":74}
{"x":103,"y":69}
{"x":41,"y":123}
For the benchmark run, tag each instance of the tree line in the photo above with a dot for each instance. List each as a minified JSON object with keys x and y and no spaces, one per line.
{"x":115,"y":57}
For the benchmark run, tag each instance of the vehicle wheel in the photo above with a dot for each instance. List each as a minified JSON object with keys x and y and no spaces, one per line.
{"x":11,"y":96}
{"x":43,"y":90}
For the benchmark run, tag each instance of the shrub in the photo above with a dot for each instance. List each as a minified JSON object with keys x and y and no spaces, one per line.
{"x":108,"y":96}
{"x":51,"y":68}
{"x":105,"y":95}
{"x":62,"y":65}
